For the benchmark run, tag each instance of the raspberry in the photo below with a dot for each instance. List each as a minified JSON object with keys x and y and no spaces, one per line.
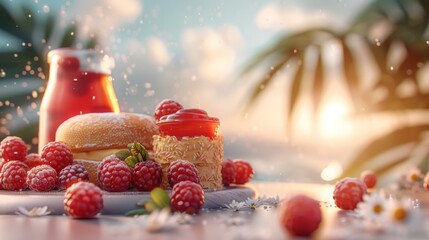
{"x":106,"y":160}
{"x":42,"y":178}
{"x":369,"y":178}
{"x":115,"y":176}
{"x":13,"y":148}
{"x":187,"y":197}
{"x":72,"y":174}
{"x":83,"y":200}
{"x":301,"y":215}
{"x":228,"y":172}
{"x":13,"y":175}
{"x":32,"y":160}
{"x":181,"y":170}
{"x":1,"y":166}
{"x":57,"y":155}
{"x":348,"y":193}
{"x":166,"y":107}
{"x":244,"y":171}
{"x":147,"y":175}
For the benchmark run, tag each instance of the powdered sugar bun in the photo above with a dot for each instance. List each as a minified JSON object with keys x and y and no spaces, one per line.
{"x":100,"y":131}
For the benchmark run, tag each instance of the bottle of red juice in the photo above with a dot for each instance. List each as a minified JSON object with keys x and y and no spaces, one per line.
{"x":79,"y":82}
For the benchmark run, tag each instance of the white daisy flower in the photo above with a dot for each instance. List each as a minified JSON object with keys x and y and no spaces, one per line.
{"x":399,"y":210}
{"x":235,"y":206}
{"x":414,"y":175}
{"x":373,"y":207}
{"x":271,"y":201}
{"x":253,"y":203}
{"x":158,"y":220}
{"x":183,"y":218}
{"x":34,"y":212}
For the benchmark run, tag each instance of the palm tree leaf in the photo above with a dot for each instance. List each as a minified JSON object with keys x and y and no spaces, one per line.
{"x":9,"y":23}
{"x":289,"y":44}
{"x":22,"y":25}
{"x":372,"y":13}
{"x":49,"y":27}
{"x":15,"y":57}
{"x":385,"y":169}
{"x":295,"y":91}
{"x":318,"y":82}
{"x":266,"y":80}
{"x":69,"y":36}
{"x":350,"y":73}
{"x":417,"y":102}
{"x":92,"y":43}
{"x":383,"y":144}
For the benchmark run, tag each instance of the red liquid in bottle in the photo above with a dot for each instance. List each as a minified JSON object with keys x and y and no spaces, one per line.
{"x":72,"y":91}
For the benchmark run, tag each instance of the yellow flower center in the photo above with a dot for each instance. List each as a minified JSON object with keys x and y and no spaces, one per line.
{"x":399,"y":214}
{"x":377,"y":208}
{"x":414,"y":177}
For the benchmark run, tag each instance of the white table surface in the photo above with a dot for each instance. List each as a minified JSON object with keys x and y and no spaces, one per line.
{"x":221,"y":224}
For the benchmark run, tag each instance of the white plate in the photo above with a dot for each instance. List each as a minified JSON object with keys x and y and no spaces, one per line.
{"x":114,"y":203}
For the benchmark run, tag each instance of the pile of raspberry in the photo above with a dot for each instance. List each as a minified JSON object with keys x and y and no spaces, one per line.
{"x":53,"y":168}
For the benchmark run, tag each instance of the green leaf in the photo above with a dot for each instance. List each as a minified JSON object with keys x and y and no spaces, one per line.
{"x":136,"y":212}
{"x":160,"y":197}
{"x":123,"y":154}
{"x":150,"y":206}
{"x":142,"y":202}
{"x":138,"y":151}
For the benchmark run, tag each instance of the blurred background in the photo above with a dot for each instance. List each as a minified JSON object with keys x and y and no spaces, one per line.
{"x":306,"y":90}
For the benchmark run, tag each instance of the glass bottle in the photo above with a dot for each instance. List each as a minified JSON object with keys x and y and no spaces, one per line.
{"x":79,"y":82}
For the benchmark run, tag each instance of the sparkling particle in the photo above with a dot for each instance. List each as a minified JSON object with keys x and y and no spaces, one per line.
{"x":2,"y":73}
{"x":33,"y":106}
{"x":46,"y":9}
{"x":377,"y":42}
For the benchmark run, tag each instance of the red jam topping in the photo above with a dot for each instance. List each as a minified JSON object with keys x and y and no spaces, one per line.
{"x":189,"y":123}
